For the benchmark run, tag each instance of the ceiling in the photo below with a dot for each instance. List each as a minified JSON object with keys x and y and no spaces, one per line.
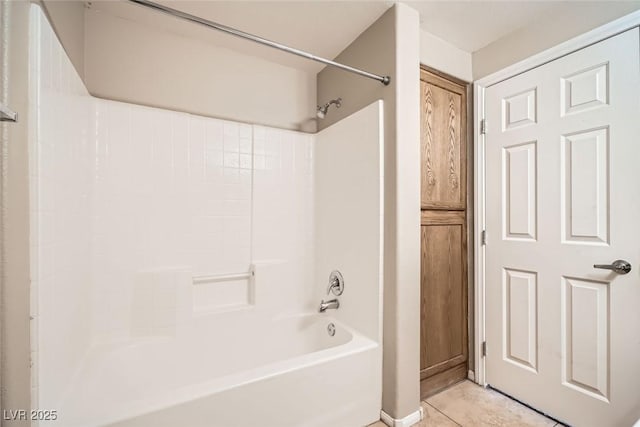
{"x":325,"y":27}
{"x":472,"y":25}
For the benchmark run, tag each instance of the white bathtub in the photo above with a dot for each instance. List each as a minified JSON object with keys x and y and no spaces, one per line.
{"x":285,"y":372}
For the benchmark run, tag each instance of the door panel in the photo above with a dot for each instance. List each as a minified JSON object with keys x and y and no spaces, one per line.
{"x":520,"y":306}
{"x":444,"y":117}
{"x":519,"y":176}
{"x":585,"y":336}
{"x":562,"y":156}
{"x":443,"y":343}
{"x":584,"y":168}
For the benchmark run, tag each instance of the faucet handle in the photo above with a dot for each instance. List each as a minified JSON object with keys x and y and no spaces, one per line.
{"x":336,"y":283}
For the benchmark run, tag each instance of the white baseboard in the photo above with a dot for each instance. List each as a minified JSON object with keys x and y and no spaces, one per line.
{"x":409,"y":420}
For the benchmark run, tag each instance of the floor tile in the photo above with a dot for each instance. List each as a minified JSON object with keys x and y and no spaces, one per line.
{"x":471,"y":405}
{"x":432,"y":418}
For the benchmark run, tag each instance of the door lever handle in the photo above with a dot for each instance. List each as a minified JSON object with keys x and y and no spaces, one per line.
{"x":619,"y":266}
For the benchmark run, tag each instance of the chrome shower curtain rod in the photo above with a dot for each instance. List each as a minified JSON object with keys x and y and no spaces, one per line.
{"x":192,"y":18}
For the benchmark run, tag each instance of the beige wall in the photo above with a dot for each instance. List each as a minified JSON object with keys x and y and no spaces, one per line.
{"x":132,"y":62}
{"x":443,"y":56}
{"x":180,"y":73}
{"x":391,"y":46}
{"x":14,"y":250}
{"x":403,"y":256}
{"x":547,"y":32}
{"x":67,"y":19}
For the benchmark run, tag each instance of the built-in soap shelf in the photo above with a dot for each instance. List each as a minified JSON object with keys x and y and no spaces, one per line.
{"x":216,"y":293}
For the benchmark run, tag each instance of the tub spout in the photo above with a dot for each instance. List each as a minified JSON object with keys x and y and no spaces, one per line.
{"x":331,"y":304}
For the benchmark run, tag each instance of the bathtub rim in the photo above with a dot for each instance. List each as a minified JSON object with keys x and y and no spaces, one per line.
{"x":358,"y":343}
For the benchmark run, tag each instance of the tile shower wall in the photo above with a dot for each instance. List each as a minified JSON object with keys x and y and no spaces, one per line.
{"x":172,"y":193}
{"x":129,"y":202}
{"x":61,"y":159}
{"x":283,"y":243}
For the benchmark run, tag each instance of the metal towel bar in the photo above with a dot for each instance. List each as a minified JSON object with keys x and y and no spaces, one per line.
{"x":197,"y":280}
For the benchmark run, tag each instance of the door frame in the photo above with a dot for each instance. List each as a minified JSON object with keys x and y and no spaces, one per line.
{"x":605,"y":31}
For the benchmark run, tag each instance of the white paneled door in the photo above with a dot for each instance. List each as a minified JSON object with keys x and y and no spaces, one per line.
{"x":563,"y":194}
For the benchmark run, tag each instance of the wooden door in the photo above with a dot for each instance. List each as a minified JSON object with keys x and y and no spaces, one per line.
{"x":562,"y":195}
{"x":443,"y":337}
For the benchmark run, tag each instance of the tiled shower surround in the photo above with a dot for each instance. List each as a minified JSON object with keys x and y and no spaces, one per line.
{"x":129,"y":202}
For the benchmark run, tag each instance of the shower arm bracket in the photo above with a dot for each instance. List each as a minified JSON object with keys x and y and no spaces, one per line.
{"x":7,"y":115}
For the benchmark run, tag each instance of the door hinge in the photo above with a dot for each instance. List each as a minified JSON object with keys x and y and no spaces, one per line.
{"x":483,"y":126}
{"x":484,"y":348}
{"x":483,"y":237}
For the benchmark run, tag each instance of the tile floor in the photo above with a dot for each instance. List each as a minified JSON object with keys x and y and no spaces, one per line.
{"x":469,"y":405}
